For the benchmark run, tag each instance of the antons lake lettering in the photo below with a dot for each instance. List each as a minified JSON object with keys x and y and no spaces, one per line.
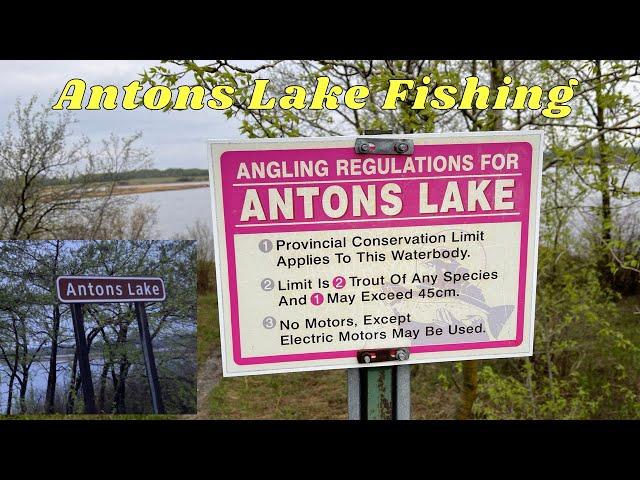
{"x":91,"y":290}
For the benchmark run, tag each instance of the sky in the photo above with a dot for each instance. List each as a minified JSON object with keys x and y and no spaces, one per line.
{"x":175,"y":138}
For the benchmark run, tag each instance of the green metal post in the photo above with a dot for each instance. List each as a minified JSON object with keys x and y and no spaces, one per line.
{"x":379,"y":380}
{"x":379,"y":393}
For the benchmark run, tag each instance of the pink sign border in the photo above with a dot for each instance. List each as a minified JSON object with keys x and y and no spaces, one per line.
{"x":301,"y":357}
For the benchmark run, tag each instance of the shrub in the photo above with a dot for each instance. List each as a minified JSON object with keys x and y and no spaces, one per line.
{"x":582,"y":362}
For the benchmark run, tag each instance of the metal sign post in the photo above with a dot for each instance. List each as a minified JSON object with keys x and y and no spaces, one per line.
{"x":379,"y":393}
{"x":82,"y":352}
{"x":149,"y":358}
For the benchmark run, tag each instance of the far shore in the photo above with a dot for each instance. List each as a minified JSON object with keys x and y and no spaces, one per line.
{"x":144,"y":188}
{"x":157,"y":187}
{"x":127,"y":189}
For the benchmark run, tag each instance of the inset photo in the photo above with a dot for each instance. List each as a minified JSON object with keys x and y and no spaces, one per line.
{"x":98,"y":327}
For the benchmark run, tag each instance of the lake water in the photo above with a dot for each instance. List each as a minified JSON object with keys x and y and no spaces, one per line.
{"x":178,"y":210}
{"x":38,"y":376}
{"x":39,"y":373}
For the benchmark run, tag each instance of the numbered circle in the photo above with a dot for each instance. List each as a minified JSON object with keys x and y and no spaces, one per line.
{"x":339,"y":282}
{"x":267,"y":284}
{"x":269,"y":323}
{"x":265,"y":245}
{"x":317,"y":298}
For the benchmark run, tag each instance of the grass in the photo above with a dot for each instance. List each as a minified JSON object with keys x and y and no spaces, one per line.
{"x":319,"y":396}
{"x":308,"y":395}
{"x":292,"y":396}
{"x":208,"y":329}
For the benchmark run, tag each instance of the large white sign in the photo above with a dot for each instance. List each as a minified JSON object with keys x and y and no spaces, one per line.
{"x":330,"y":258}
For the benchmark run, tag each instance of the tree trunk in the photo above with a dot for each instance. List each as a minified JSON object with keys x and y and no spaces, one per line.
{"x":12,"y":380}
{"x":497,"y":76}
{"x":103,"y":387}
{"x":469,"y":389}
{"x":71,"y":395}
{"x":604,"y":179}
{"x":23,"y":391}
{"x":470,"y":367}
{"x":119,"y":403}
{"x":53,"y":363}
{"x":119,"y":399}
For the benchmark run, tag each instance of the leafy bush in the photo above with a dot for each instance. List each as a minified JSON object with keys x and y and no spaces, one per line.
{"x":582,"y":360}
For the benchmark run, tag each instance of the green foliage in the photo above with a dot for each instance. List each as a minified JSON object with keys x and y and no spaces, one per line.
{"x":583,"y":365}
{"x":512,"y":398}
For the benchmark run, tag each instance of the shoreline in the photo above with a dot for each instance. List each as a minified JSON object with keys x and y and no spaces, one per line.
{"x":146,"y":188}
{"x":157,"y":187}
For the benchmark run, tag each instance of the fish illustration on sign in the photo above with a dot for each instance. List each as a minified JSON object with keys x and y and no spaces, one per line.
{"x":467,"y":308}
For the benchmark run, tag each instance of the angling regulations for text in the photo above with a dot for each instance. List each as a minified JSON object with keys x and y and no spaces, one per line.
{"x":324,"y":252}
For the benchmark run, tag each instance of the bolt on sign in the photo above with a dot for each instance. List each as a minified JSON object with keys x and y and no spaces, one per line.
{"x":347,"y":252}
{"x":88,"y":289}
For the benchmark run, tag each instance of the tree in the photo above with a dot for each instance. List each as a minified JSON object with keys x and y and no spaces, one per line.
{"x":49,"y":184}
{"x":109,"y":215}
{"x":20,"y":342}
{"x":598,"y":146}
{"x":35,"y":146}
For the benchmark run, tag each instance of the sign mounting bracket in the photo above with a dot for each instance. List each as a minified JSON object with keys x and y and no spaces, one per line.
{"x":398,"y":146}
